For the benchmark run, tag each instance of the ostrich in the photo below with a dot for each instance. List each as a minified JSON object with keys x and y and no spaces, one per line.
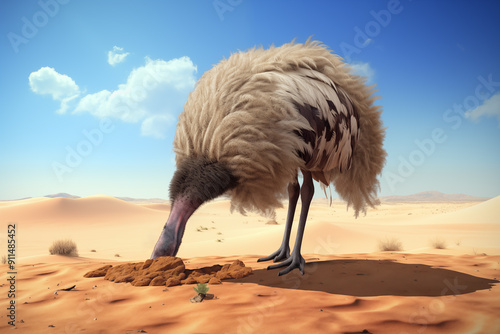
{"x":259,"y":117}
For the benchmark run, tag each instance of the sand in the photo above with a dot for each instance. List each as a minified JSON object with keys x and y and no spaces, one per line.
{"x":349,"y":286}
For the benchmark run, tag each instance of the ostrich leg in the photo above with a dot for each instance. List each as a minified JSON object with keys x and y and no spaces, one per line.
{"x":284,"y":251}
{"x":296,"y":260}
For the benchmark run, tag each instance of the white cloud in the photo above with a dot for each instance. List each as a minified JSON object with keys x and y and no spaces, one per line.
{"x":489,"y":108}
{"x":153,"y":94}
{"x":116,"y":56}
{"x":157,"y":125}
{"x":46,"y":81}
{"x":364,"y":70}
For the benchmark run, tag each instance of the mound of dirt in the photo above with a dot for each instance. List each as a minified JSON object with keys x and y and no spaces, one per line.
{"x":169,"y":271}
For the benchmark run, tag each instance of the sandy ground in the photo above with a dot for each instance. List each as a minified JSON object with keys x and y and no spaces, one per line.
{"x":349,"y":285}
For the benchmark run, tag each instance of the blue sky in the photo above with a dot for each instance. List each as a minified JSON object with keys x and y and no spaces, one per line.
{"x":76,"y":115}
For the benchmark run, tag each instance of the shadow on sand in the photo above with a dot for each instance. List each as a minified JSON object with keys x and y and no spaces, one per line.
{"x":364,"y":278}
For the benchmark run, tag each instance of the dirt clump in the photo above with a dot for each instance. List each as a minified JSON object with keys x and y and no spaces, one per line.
{"x":169,"y":271}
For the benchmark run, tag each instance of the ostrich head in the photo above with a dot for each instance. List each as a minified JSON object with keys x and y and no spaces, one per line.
{"x":196,"y":181}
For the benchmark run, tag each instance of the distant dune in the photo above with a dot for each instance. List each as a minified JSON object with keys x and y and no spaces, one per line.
{"x":69,"y":210}
{"x":126,"y":199}
{"x":426,"y":196}
{"x":112,"y":226}
{"x":434,"y":196}
{"x":144,"y":200}
{"x":64,"y":195}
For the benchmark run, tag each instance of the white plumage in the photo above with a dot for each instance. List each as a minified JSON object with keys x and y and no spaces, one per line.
{"x":257,"y":118}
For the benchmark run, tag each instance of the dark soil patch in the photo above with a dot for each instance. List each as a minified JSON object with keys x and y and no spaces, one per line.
{"x":169,"y":271}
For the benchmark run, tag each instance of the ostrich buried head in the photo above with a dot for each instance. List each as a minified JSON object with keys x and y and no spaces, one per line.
{"x":196,"y":181}
{"x":258,"y":118}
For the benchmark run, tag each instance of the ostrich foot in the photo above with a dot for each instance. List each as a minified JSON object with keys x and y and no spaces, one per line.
{"x":281,"y":254}
{"x":294,"y":261}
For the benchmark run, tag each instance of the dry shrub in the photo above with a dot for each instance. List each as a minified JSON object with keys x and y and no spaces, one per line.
{"x":390,"y":245}
{"x":438,"y":243}
{"x":64,"y":247}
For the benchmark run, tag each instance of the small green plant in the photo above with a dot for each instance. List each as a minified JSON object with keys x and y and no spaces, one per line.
{"x":201,"y":288}
{"x":63,"y":247}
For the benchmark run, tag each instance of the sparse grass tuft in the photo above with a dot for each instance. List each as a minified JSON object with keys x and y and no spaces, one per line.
{"x":476,"y":253}
{"x":63,"y":247}
{"x":390,"y":245}
{"x":438,"y":243}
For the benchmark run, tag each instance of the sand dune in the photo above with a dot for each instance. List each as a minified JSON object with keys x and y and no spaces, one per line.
{"x":92,"y":222}
{"x":348,"y":287}
{"x":487,"y":212}
{"x":432,"y":196}
{"x":157,"y":206}
{"x":23,"y":201}
{"x":93,"y":207}
{"x":332,"y":230}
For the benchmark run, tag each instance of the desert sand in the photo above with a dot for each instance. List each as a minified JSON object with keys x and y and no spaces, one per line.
{"x":349,"y":285}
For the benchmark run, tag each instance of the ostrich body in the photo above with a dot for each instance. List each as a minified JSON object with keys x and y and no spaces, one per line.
{"x":257,"y":118}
